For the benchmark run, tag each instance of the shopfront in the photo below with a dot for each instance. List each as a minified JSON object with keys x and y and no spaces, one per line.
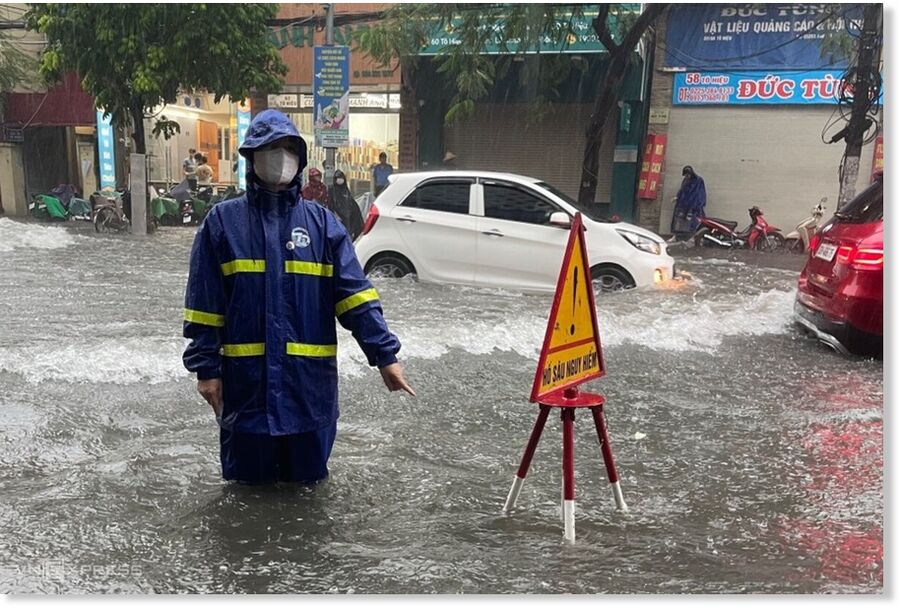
{"x":374,"y":125}
{"x":208,"y":127}
{"x":746,"y":97}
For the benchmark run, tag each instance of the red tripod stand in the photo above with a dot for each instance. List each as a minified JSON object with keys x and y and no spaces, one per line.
{"x":568,"y":401}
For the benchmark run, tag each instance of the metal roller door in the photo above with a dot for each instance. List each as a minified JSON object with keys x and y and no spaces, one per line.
{"x":772,"y":157}
{"x":499,"y":137}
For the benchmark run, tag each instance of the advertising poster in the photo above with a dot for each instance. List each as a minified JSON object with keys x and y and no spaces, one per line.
{"x":106,"y":148}
{"x":243,"y":123}
{"x":331,"y":96}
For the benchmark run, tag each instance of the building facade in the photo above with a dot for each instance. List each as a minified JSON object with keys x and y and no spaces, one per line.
{"x":745,"y":95}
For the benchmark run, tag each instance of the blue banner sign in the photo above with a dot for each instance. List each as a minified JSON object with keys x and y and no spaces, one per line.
{"x":756,"y":36}
{"x":729,"y":88}
{"x":331,"y":96}
{"x":723,"y":88}
{"x":243,"y":123}
{"x":106,"y":151}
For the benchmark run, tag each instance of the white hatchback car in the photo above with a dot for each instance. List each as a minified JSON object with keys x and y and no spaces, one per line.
{"x":498,"y":230}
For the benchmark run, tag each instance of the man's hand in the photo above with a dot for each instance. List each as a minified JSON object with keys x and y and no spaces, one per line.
{"x":393,"y":379}
{"x":211,"y":390}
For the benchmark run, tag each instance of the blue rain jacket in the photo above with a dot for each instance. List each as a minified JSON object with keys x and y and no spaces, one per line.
{"x":269,"y":272}
{"x":691,"y":196}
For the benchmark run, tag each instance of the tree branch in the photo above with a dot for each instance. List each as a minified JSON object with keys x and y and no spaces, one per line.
{"x":601,"y":28}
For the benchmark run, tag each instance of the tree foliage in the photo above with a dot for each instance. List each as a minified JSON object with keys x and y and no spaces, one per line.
{"x":16,"y":67}
{"x":133,"y":58}
{"x":517,"y":30}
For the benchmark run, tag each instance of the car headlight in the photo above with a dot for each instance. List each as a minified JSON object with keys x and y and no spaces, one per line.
{"x":645,"y":244}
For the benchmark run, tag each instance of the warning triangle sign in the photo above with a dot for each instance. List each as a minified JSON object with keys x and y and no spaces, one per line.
{"x":572,"y":353}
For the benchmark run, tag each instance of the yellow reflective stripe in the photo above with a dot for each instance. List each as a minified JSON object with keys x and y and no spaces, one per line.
{"x":244,"y":349}
{"x":201,"y":317}
{"x":351,"y":302}
{"x":311,"y":350}
{"x":244,"y":265}
{"x":308,"y":268}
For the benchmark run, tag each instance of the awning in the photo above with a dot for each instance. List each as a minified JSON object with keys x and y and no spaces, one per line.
{"x":65,"y":105}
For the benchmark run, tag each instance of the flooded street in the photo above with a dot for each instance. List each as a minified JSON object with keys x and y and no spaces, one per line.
{"x":749,"y":455}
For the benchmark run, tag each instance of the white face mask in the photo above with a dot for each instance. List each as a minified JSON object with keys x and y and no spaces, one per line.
{"x":276,"y":167}
{"x":339,"y":181}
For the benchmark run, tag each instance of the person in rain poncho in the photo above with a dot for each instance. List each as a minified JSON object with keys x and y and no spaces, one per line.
{"x":344,"y":205}
{"x":269,"y":272}
{"x":690,"y":202}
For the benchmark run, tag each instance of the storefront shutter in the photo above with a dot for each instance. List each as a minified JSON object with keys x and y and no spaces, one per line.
{"x":503,"y":137}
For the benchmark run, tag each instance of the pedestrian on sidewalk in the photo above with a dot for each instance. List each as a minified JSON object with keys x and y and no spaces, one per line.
{"x":380,"y":174}
{"x":315,"y":189}
{"x":204,"y":172}
{"x":269,"y":273}
{"x":344,"y":205}
{"x":189,"y":168}
{"x":690,"y":203}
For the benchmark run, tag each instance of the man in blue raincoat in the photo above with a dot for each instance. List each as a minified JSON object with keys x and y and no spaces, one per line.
{"x":269,"y":272}
{"x":690,"y":202}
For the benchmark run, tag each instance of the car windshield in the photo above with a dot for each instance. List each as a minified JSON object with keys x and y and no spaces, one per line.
{"x":592,"y":214}
{"x":867,"y":207}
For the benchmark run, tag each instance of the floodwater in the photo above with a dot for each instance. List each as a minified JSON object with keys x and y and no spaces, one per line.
{"x":749,"y":455}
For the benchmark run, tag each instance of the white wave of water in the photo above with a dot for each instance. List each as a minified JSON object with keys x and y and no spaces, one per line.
{"x":672,"y":324}
{"x":119,"y":361}
{"x":15,"y":235}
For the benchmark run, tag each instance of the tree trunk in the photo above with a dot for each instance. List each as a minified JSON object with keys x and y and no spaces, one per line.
{"x":137,"y":131}
{"x":608,"y":94}
{"x":593,"y":138}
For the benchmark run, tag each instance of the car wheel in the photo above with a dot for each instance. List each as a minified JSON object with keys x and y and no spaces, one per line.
{"x":389,"y":265}
{"x":611,"y":279}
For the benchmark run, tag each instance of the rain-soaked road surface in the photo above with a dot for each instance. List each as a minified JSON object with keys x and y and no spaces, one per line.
{"x":750,"y":456}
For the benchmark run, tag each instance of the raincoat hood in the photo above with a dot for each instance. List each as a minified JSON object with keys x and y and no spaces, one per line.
{"x":266,"y":127}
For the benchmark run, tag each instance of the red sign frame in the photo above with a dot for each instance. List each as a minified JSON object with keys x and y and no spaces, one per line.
{"x":577,"y":232}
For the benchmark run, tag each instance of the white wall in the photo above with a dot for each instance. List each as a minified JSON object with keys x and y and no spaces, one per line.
{"x":772,"y":157}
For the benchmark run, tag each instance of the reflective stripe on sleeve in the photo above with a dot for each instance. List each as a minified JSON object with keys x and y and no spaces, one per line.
{"x":311,"y":350}
{"x":243,"y":349}
{"x":202,"y":317}
{"x":244,"y":265}
{"x":351,"y":302}
{"x":300,"y":267}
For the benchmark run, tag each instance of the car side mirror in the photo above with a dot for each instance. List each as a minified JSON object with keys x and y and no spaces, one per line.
{"x":560,"y":219}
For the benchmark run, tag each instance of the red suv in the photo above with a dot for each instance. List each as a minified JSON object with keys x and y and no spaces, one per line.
{"x":840,"y":293}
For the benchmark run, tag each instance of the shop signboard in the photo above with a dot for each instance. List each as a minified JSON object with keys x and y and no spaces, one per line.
{"x":331,"y":96}
{"x":756,"y":36}
{"x":284,"y":101}
{"x":243,"y":123}
{"x":106,"y":149}
{"x":878,"y":157}
{"x":759,"y":87}
{"x":581,"y":37}
{"x":651,"y":166}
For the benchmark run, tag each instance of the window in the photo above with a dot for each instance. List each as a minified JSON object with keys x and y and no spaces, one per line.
{"x":441,"y":196}
{"x":507,"y":202}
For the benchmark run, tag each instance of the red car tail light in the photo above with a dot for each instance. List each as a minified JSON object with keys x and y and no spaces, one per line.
{"x":869,"y":259}
{"x":861,"y":258}
{"x":845,"y":254}
{"x":371,"y":218}
{"x":814,"y":242}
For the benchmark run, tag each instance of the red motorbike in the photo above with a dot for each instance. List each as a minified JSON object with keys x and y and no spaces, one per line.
{"x":759,"y":235}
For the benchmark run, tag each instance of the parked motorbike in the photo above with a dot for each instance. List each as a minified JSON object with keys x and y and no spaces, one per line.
{"x":797,"y":241}
{"x":759,"y":235}
{"x":108,"y":211}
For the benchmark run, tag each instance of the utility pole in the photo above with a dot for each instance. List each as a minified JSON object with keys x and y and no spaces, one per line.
{"x":329,"y":41}
{"x":868,"y":58}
